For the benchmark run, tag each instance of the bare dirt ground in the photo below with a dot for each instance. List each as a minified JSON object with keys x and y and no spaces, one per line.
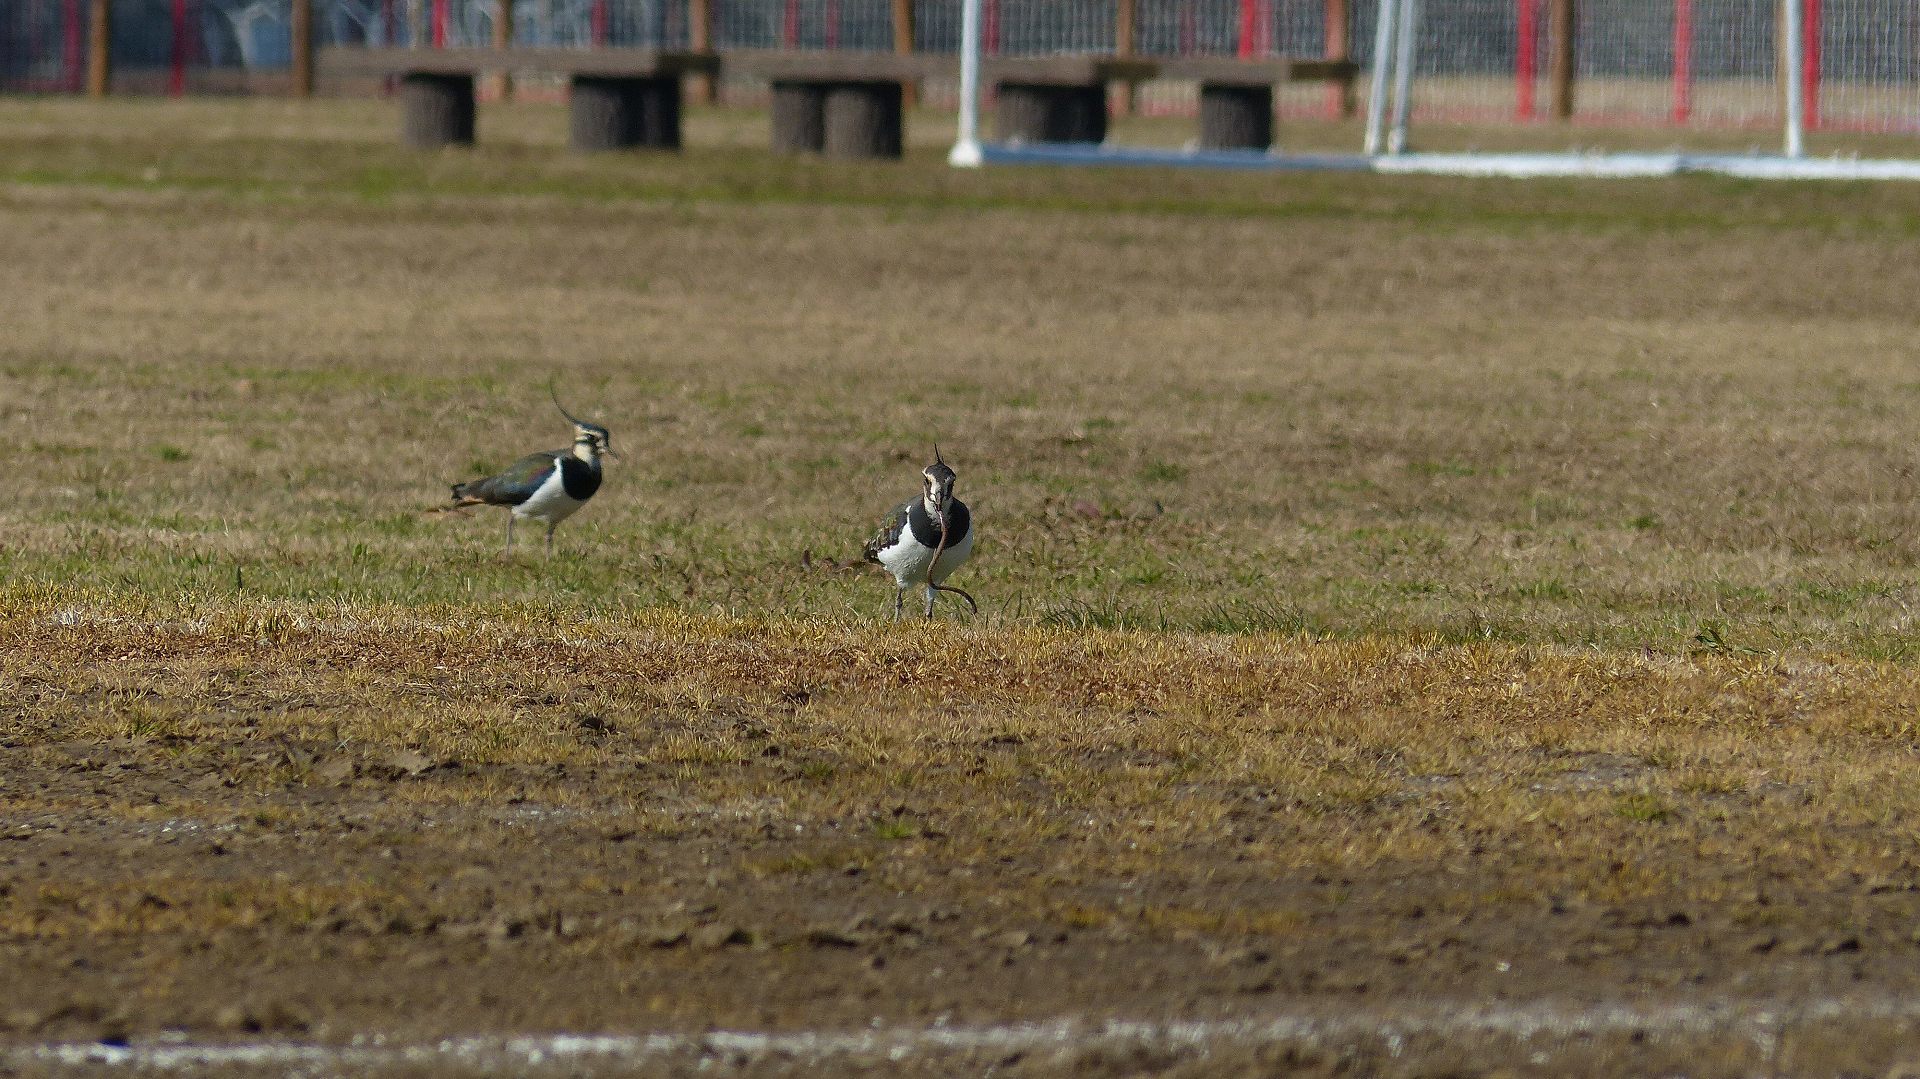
{"x":1432,"y":627}
{"x":1184,"y":855}
{"x":1176,"y":855}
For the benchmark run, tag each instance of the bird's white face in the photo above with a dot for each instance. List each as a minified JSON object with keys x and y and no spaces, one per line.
{"x":590,"y":441}
{"x":938,"y":480}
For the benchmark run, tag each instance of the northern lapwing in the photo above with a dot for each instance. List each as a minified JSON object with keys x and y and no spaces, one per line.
{"x":547,"y":486}
{"x":925,"y":539}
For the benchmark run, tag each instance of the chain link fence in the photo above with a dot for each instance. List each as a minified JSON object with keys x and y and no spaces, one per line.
{"x":1685,"y":63}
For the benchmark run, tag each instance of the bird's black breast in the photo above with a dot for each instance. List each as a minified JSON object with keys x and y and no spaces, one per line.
{"x":579,"y":478}
{"x":927,"y":531}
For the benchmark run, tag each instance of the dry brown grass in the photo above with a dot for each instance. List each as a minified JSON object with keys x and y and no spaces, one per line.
{"x":1384,"y":580}
{"x":1569,"y":413}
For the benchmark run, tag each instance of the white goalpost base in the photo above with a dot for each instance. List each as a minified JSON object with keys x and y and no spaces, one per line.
{"x":1388,"y":109}
{"x":1519,"y":166}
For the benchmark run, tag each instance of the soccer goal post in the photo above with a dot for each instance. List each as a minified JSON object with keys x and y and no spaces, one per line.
{"x":1792,"y":89}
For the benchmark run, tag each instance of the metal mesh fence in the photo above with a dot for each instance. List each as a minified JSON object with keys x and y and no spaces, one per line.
{"x":42,"y":45}
{"x":1683,"y":63}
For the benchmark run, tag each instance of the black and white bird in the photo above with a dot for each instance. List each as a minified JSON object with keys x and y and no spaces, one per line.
{"x":925,"y":539}
{"x":547,"y":486}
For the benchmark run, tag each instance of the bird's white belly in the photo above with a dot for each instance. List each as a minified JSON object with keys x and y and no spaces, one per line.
{"x":550,"y":503}
{"x":909,"y":560}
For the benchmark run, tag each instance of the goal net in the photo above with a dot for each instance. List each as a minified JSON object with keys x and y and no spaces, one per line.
{"x":1794,"y":88}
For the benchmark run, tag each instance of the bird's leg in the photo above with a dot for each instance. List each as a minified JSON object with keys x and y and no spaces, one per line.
{"x":509,"y":549}
{"x":550,"y":525}
{"x":899,"y":602}
{"x":962,"y":593}
{"x":930,"y":594}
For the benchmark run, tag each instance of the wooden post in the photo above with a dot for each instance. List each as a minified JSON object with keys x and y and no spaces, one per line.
{"x":100,"y":48}
{"x":706,"y":87}
{"x":1341,"y":101}
{"x":903,"y":44}
{"x":1126,"y":14}
{"x":1562,"y":18}
{"x":303,"y":48}
{"x":503,"y":39}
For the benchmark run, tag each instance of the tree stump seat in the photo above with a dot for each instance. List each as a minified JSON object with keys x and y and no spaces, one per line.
{"x":840,"y":103}
{"x":620,"y":98}
{"x":1236,"y":96}
{"x":1056,"y":99}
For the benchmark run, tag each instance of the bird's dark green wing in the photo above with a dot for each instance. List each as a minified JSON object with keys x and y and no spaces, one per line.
{"x":513,"y":486}
{"x":889,"y":534}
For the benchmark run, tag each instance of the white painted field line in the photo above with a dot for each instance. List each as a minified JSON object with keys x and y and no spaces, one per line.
{"x":1757,"y":1022}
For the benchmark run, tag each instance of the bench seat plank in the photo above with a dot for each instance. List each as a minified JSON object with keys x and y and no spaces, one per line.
{"x":839,"y":65}
{"x":345,"y":60}
{"x":1069,"y":69}
{"x":1228,"y":71}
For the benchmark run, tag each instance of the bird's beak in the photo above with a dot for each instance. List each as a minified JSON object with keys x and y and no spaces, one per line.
{"x":611,"y":452}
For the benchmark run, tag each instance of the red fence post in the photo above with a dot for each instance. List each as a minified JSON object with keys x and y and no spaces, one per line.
{"x":1682,"y":61}
{"x":1526,"y":61}
{"x":439,"y":30}
{"x":1249,"y":27}
{"x":1810,"y":61}
{"x":72,"y":42}
{"x":990,"y":29}
{"x":832,"y":29}
{"x":177,"y":71}
{"x":600,"y":21}
{"x":790,"y":25}
{"x":1340,"y":98}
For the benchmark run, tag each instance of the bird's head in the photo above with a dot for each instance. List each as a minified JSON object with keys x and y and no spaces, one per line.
{"x":938,"y":479}
{"x":590,"y":440}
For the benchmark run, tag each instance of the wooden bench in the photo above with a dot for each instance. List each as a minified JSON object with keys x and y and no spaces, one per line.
{"x":848,"y":104}
{"x":1236,"y":96}
{"x":841,"y":103}
{"x":621,"y":98}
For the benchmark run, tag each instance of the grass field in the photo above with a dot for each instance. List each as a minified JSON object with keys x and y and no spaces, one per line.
{"x":1405,"y":603}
